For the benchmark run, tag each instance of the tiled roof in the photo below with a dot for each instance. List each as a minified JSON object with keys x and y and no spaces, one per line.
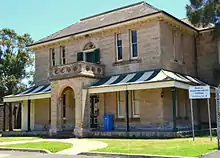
{"x":186,"y":20}
{"x":104,"y":19}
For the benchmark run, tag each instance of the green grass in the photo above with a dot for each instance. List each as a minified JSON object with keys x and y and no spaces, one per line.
{"x":11,"y":139}
{"x":47,"y":145}
{"x":169,"y":147}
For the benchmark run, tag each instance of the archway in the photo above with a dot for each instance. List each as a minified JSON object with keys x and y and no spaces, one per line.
{"x":68,"y":109}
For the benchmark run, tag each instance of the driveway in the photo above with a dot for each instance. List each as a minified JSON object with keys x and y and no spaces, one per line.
{"x":79,"y":145}
{"x":12,"y":154}
{"x":212,"y":155}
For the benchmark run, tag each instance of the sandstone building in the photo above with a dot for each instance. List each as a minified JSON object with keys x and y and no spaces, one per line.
{"x":135,"y":62}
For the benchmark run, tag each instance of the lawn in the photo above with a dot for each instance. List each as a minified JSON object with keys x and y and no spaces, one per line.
{"x":47,"y":145}
{"x":170,"y":147}
{"x":11,"y":139}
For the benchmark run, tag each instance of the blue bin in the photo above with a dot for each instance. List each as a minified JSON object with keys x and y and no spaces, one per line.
{"x":108,"y":122}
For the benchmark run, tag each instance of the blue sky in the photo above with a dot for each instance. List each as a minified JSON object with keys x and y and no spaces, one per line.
{"x":40,"y":18}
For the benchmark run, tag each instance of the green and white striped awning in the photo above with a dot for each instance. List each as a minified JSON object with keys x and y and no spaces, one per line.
{"x":157,"y":78}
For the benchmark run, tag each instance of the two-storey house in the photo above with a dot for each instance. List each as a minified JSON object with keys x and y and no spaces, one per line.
{"x":134,"y":63}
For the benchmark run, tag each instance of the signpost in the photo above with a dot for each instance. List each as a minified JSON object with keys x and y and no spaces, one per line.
{"x":217,"y":97}
{"x":200,"y":92}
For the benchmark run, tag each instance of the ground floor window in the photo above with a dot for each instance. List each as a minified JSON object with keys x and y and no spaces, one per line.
{"x":120,"y":104}
{"x":135,"y":104}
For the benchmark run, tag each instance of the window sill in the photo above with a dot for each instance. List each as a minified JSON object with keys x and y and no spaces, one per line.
{"x":120,"y":119}
{"x":125,"y":62}
{"x":135,"y":119}
{"x":130,"y":119}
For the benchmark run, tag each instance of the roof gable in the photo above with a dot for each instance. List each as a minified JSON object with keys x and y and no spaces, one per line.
{"x":104,"y":19}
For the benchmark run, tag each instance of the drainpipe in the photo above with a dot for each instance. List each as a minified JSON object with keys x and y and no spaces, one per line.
{"x":127,"y":110}
{"x":196,"y":56}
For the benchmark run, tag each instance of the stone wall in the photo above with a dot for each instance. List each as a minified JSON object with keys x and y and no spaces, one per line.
{"x":207,"y":58}
{"x":41,"y":114}
{"x":177,"y":55}
{"x":148,"y":49}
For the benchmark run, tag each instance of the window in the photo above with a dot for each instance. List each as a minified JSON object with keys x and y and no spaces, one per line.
{"x":135,"y":105}
{"x":92,"y":56}
{"x":174,"y":45}
{"x":53,"y":59}
{"x":182,"y":47}
{"x":121,"y":104}
{"x":89,"y":57}
{"x":63,"y":55}
{"x":134,"y":44}
{"x":119,"y":47}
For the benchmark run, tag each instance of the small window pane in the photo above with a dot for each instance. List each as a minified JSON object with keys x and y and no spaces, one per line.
{"x":119,"y":53}
{"x":134,"y":36}
{"x":134,"y":50}
{"x":119,"y":43}
{"x":121,"y":104}
{"x":89,"y":57}
{"x":119,"y":47}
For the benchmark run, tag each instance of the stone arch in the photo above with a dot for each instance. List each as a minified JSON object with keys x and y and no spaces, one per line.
{"x":67,"y":109}
{"x":89,"y":45}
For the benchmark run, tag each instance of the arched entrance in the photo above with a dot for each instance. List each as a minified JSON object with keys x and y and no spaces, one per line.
{"x":68,"y":109}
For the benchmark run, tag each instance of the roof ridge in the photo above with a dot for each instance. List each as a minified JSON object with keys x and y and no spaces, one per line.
{"x":110,"y":11}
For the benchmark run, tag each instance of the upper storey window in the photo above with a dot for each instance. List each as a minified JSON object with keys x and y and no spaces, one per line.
{"x":119,"y":50}
{"x":53,"y":57}
{"x":89,"y":54}
{"x":134,"y":44}
{"x":62,"y":55}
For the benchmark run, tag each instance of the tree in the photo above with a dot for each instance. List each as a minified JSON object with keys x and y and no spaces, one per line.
{"x":15,"y":58}
{"x":205,"y":12}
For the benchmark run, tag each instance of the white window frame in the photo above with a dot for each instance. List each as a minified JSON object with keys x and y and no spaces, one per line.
{"x":131,"y":44}
{"x":134,"y":101}
{"x":53,"y":57}
{"x":116,"y":38}
{"x":62,"y":58}
{"x":120,"y":103}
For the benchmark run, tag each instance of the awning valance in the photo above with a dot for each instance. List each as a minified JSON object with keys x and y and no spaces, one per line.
{"x":35,"y":92}
{"x":157,"y":78}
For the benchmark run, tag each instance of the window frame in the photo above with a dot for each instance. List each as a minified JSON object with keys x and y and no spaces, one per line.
{"x":174,"y":34}
{"x":133,"y":43}
{"x":117,"y":47}
{"x":52,"y":57}
{"x":119,"y":101}
{"x":134,"y":115}
{"x":62,"y":56}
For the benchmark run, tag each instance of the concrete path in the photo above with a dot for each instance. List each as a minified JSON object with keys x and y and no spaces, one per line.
{"x":79,"y":145}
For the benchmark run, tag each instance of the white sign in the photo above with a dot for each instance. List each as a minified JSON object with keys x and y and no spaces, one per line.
{"x":199,"y":92}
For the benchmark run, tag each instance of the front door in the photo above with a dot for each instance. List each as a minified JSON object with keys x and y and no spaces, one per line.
{"x":94,"y":112}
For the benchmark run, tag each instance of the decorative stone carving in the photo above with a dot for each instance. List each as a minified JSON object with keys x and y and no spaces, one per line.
{"x":77,"y":69}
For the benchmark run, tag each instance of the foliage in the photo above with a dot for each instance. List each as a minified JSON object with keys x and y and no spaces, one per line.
{"x":15,"y":58}
{"x":205,"y":12}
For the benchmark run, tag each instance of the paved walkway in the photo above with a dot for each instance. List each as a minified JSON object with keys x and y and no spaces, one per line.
{"x":79,"y":145}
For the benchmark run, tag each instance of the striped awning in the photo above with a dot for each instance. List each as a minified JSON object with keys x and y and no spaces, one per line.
{"x":35,"y":92}
{"x":128,"y":81}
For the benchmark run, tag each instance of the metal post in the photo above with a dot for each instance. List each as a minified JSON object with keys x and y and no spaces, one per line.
{"x":127,"y":110}
{"x":29,"y":116}
{"x":210,"y":124}
{"x":174,"y":108}
{"x":193,"y":132}
{"x":217,"y":114}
